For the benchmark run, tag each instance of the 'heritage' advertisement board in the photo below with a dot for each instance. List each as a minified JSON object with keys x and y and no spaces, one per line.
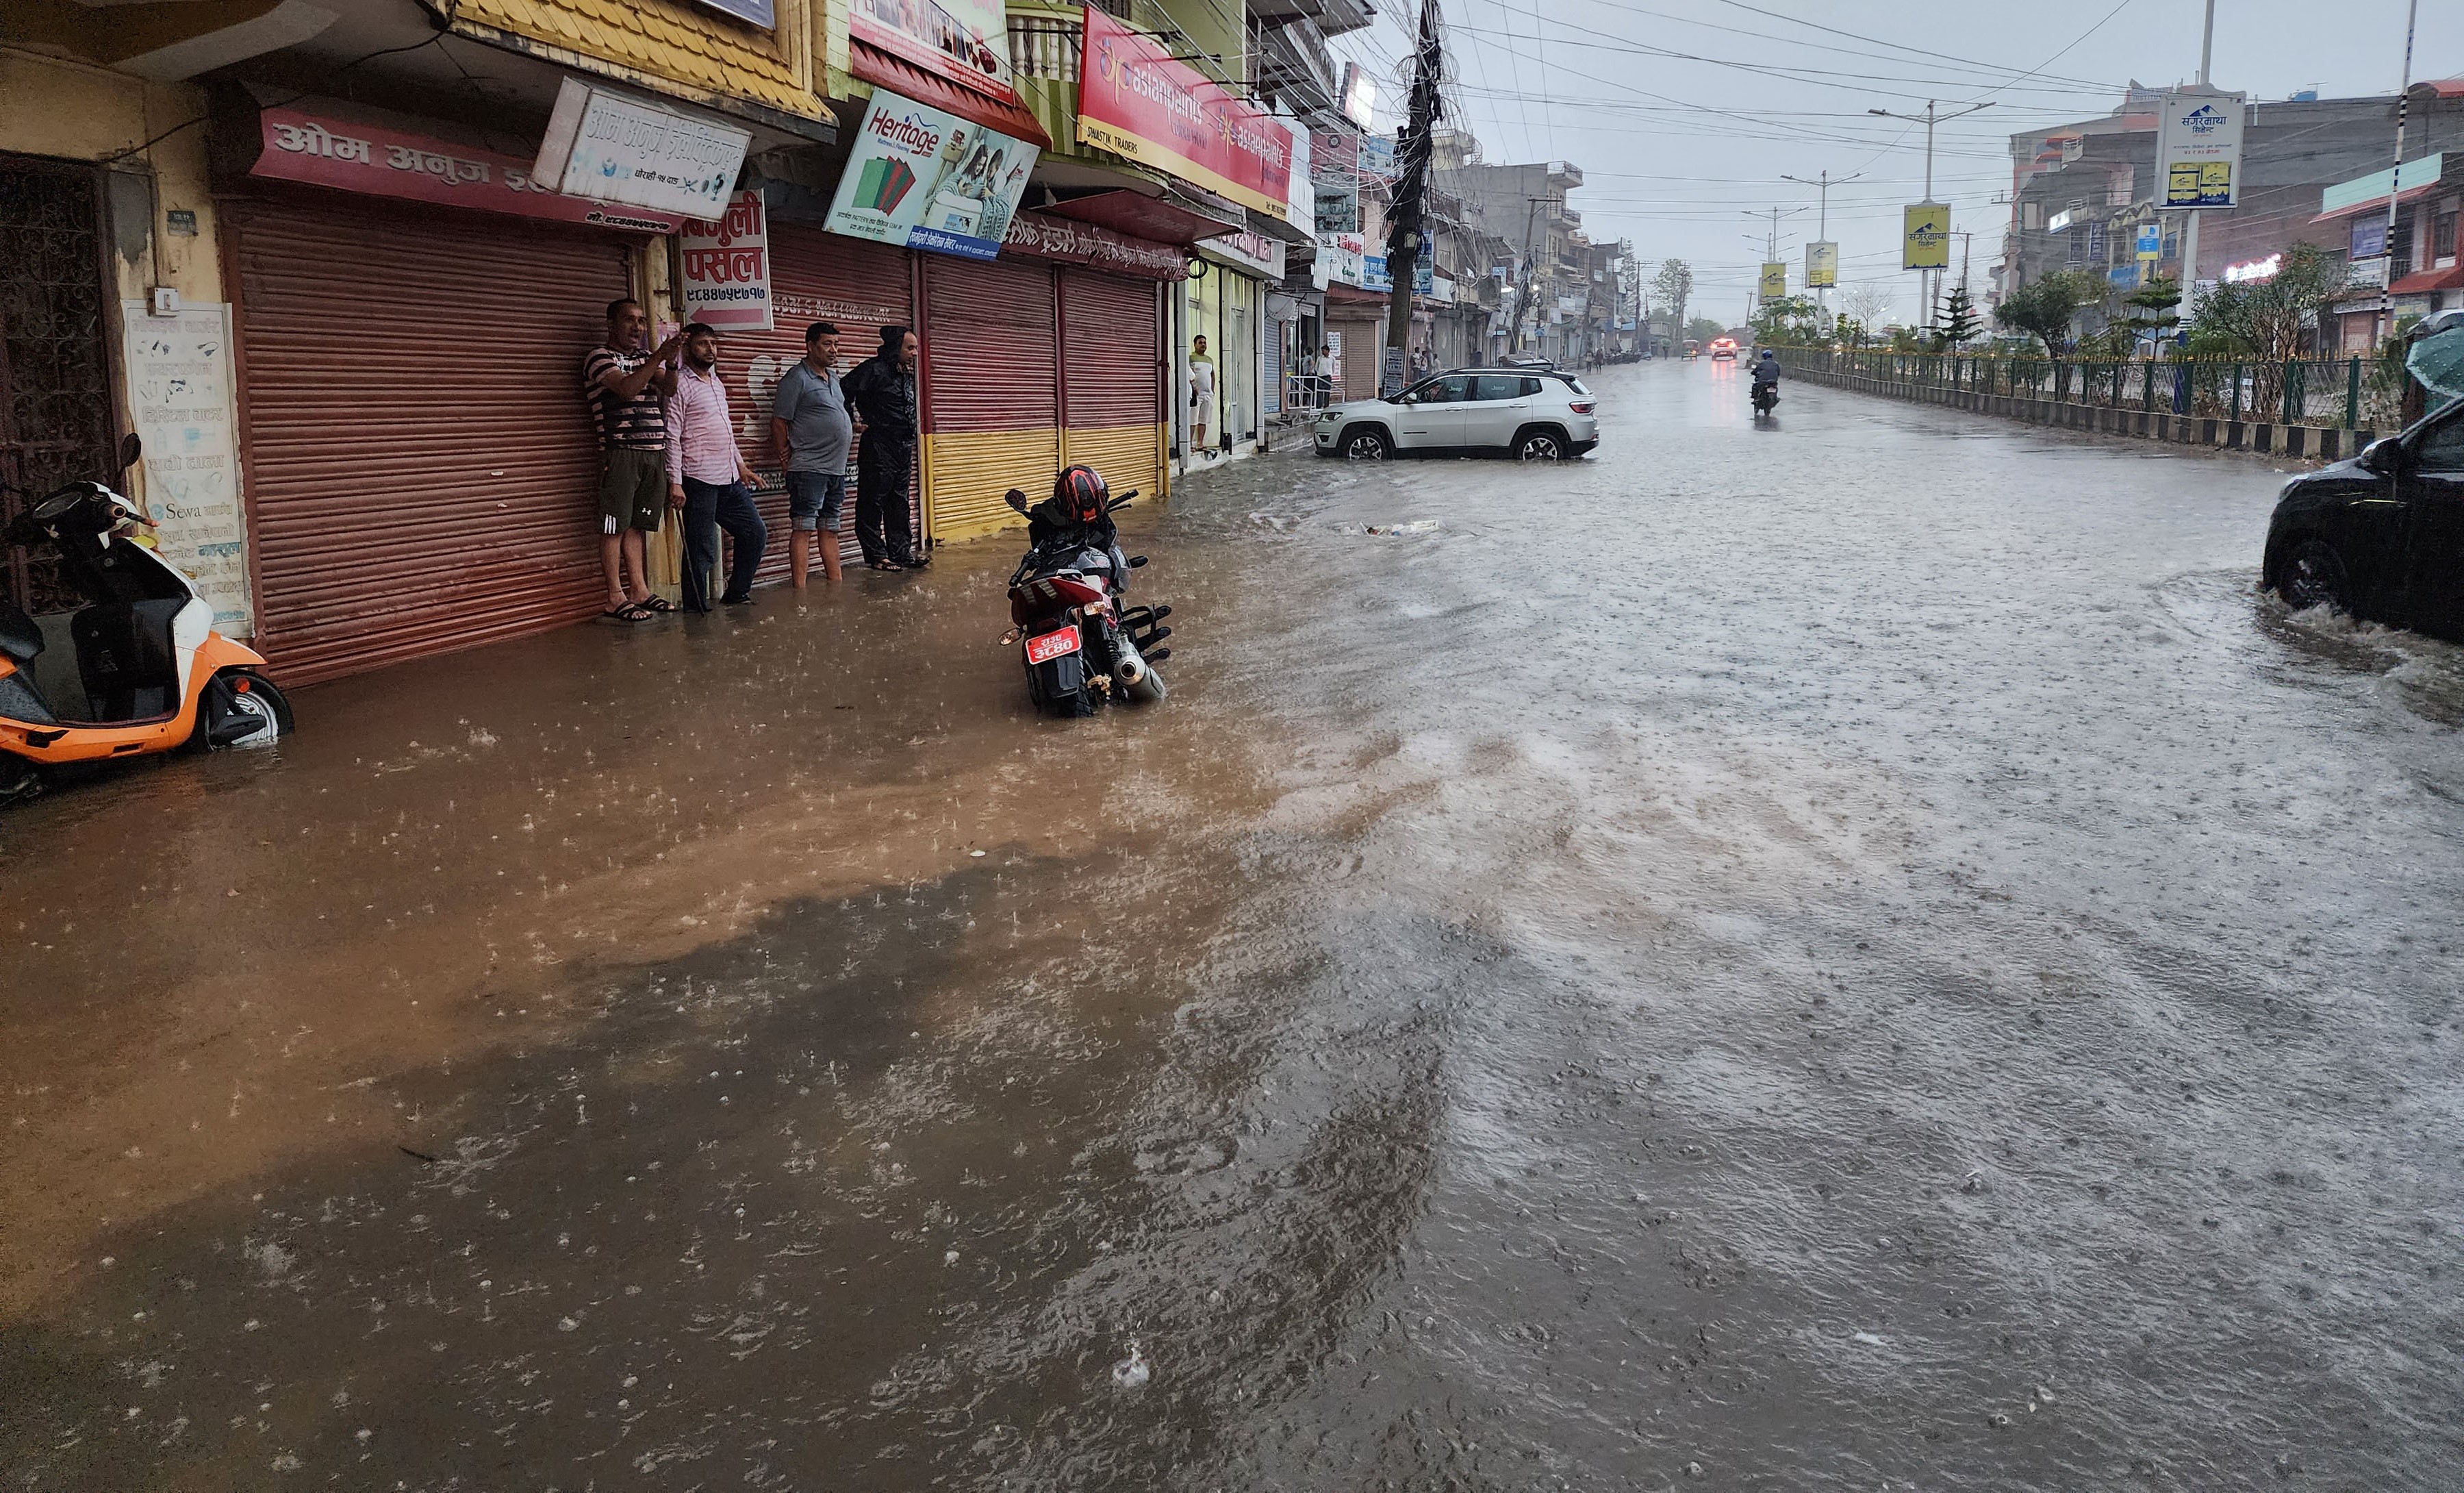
{"x":923,"y":179}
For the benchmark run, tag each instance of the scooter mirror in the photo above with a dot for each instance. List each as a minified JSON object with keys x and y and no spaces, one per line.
{"x":130,"y":449}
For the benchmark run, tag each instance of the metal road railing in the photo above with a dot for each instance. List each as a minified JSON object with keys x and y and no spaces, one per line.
{"x":2347,"y":393}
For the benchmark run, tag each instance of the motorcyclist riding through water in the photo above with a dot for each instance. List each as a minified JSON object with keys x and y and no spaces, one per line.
{"x":1074,"y":515}
{"x":1766,"y":369}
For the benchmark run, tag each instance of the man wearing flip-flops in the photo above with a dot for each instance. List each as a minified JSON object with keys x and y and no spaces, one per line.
{"x":627,"y":383}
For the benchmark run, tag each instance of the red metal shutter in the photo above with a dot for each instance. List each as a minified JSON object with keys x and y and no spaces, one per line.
{"x":991,"y":409}
{"x":1110,"y":365}
{"x":418,"y":461}
{"x":856,"y":286}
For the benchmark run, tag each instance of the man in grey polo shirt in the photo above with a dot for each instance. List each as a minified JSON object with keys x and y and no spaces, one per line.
{"x":810,"y":431}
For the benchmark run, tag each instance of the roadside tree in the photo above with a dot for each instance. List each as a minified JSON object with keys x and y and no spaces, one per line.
{"x":2045,"y":307}
{"x":1673,"y":287}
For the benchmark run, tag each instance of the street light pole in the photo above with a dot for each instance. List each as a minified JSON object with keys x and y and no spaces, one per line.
{"x":2395,"y":179}
{"x":1823,"y":231}
{"x":1930,"y":287}
{"x":2191,"y":230}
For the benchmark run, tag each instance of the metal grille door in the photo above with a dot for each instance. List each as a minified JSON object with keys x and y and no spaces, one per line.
{"x":421,"y":470}
{"x":55,"y":402}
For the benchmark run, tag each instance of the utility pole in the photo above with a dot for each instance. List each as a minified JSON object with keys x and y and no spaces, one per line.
{"x":1821,"y":233}
{"x":1770,"y":249}
{"x":1407,"y":230}
{"x":2395,"y":181}
{"x":2191,"y":230}
{"x":1927,"y":286}
{"x":1530,"y":262}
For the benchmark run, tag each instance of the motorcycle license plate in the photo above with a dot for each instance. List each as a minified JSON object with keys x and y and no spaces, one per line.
{"x":1053,"y":645}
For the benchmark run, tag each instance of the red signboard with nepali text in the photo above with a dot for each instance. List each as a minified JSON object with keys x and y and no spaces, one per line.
{"x":389,"y":162}
{"x":1135,"y":100}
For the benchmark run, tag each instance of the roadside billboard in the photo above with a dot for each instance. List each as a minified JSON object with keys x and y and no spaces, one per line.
{"x":1136,"y":100}
{"x":2198,"y":149}
{"x":922,"y":179}
{"x":1821,"y":265}
{"x":1774,"y":281}
{"x":966,"y":41}
{"x":1925,"y":239}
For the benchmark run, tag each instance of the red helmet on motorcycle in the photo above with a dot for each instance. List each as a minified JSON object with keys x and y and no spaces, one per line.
{"x":1081,"y":493}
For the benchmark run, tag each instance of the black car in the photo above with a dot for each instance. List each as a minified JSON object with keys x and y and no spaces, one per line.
{"x":2381,"y":536}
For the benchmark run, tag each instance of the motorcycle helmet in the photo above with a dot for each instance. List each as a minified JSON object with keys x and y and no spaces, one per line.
{"x":1081,"y":492}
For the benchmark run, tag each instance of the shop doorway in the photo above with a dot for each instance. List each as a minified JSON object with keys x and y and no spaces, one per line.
{"x":57,"y":410}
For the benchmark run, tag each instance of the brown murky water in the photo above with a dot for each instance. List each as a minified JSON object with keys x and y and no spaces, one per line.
{"x":1847,"y":955}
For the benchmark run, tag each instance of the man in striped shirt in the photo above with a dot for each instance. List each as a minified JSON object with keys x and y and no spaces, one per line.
{"x":708,"y":478}
{"x":626,"y":383}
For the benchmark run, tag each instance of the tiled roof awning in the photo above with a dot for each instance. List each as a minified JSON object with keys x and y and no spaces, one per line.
{"x":888,"y":70}
{"x":2427,"y":280}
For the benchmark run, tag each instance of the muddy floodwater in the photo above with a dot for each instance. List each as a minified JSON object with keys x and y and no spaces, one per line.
{"x":1852,"y":954}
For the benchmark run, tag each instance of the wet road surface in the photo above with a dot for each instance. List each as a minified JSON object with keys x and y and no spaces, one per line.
{"x":1851,"y":954}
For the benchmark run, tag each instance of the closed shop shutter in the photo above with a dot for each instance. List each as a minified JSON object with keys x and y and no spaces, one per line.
{"x":992,"y":392}
{"x":1364,"y":349}
{"x":856,"y":286}
{"x":420,"y":468}
{"x":1111,"y":363}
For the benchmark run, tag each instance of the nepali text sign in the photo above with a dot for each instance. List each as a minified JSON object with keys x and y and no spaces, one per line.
{"x":2370,"y":240}
{"x":387,"y":162}
{"x":610,"y":146}
{"x":1253,"y":252}
{"x":1925,"y":237}
{"x":2198,"y":149}
{"x":1821,"y":265}
{"x":966,"y":41}
{"x":726,"y":281}
{"x":1136,"y":100}
{"x":179,"y":371}
{"x":1084,"y":243}
{"x":924,"y":179}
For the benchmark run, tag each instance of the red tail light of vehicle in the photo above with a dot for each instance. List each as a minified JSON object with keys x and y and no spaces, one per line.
{"x":1582,"y":406}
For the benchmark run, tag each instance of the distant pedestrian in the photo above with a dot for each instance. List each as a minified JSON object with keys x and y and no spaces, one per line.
{"x":710,"y":482}
{"x":810,"y":431}
{"x":626,"y":384}
{"x":881,"y":392}
{"x":1330,"y":375}
{"x":1201,"y":394}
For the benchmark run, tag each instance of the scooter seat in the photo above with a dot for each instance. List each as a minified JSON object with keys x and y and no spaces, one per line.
{"x":20,"y":640}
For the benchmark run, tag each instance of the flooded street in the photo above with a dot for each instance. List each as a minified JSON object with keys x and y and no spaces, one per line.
{"x":1852,"y":954}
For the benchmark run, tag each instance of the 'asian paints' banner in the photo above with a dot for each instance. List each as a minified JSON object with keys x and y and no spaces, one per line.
{"x":1135,"y":100}
{"x":1925,"y":237}
{"x":923,"y":179}
{"x":727,"y":267}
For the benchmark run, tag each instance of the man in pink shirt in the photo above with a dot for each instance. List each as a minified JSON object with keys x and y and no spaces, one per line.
{"x":708,"y":478}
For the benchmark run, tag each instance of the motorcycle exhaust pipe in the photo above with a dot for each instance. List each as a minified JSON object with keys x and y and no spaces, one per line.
{"x":1130,"y":670}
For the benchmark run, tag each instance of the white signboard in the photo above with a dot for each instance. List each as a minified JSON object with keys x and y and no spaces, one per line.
{"x":614,"y":148}
{"x":2198,"y":151}
{"x":727,"y":267}
{"x":179,"y":370}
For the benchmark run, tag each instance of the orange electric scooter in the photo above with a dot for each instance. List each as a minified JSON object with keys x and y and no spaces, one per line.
{"x":151,"y":674}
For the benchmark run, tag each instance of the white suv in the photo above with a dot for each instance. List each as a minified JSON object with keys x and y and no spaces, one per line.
{"x":1528,"y":413}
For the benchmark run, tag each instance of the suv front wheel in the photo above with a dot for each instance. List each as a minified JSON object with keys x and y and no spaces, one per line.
{"x":1364,"y":444}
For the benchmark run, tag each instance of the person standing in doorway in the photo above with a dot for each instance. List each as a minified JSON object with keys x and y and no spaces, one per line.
{"x":810,"y":431}
{"x":1201,"y":394}
{"x":710,"y":482}
{"x":881,"y":392}
{"x":626,"y":383}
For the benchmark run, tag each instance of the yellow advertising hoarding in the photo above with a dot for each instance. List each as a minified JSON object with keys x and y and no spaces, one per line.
{"x":1775,"y":280}
{"x":1925,"y":243}
{"x":1821,"y":265}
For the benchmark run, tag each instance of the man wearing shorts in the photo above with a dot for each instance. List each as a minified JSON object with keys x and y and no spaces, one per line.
{"x":809,"y":435}
{"x":628,"y":388}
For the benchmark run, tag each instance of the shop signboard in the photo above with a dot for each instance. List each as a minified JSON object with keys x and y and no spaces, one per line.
{"x":1259,"y":254}
{"x":2370,"y":239}
{"x":2198,"y":149}
{"x":296,"y":146}
{"x":2149,"y":244}
{"x":611,"y":146}
{"x":1925,"y":237}
{"x":1136,"y":100}
{"x":2096,"y":243}
{"x":966,"y":41}
{"x":1359,"y":95}
{"x":1339,"y":260}
{"x":923,"y":179}
{"x":1775,"y":280}
{"x":726,"y":267}
{"x":179,"y":373}
{"x":1821,"y":265}
{"x":1378,"y":157}
{"x":1084,"y":243}
{"x":1373,"y":276}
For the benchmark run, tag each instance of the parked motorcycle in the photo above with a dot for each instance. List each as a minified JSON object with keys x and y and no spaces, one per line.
{"x":153,"y":675}
{"x":1082,"y":647}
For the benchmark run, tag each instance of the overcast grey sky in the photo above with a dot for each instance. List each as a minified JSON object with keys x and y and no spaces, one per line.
{"x":1675,"y":150}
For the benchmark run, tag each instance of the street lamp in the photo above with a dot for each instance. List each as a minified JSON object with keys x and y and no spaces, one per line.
{"x":1822,"y":232}
{"x":1930,"y":119}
